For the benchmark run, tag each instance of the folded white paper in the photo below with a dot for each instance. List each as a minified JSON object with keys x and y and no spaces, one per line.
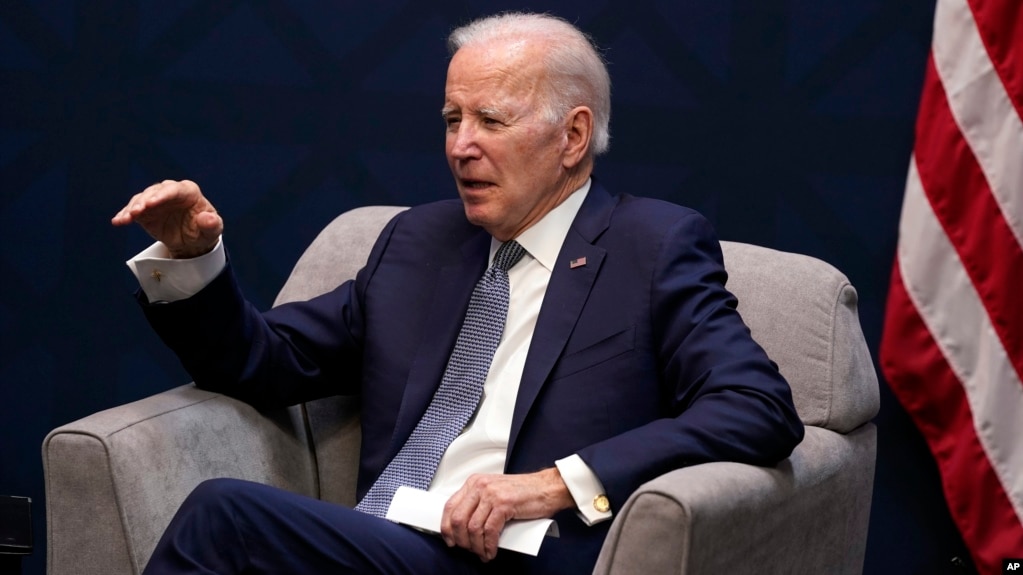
{"x":421,"y":509}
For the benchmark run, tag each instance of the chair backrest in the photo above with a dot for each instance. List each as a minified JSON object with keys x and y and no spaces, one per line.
{"x":336,"y":255}
{"x":800,"y":309}
{"x":804,"y":313}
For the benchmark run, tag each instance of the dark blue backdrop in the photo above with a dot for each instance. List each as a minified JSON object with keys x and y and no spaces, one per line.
{"x":788,"y":123}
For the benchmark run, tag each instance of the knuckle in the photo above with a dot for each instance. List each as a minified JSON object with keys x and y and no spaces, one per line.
{"x":457,"y":523}
{"x":484,"y":484}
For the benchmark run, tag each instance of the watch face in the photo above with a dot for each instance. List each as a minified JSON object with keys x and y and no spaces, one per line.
{"x":15,"y":525}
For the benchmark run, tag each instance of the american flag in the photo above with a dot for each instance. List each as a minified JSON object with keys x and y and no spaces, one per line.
{"x":952,"y":348}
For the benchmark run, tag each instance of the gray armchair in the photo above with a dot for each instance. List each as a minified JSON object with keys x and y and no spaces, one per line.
{"x":114,"y":479}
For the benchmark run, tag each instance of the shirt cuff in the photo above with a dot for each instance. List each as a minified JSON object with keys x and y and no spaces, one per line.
{"x":587,"y":491}
{"x":164,"y":279}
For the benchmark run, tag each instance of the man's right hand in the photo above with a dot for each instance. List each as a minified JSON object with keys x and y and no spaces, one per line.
{"x":177,"y":214}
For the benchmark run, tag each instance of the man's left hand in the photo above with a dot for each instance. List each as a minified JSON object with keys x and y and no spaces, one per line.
{"x":475,"y":515}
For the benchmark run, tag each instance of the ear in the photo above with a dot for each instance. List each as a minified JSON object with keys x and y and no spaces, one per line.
{"x":578,"y":130}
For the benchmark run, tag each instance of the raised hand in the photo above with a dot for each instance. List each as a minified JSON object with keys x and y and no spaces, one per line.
{"x":177,"y":214}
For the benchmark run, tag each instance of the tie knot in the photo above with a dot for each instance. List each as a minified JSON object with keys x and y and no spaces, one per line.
{"x":508,"y":255}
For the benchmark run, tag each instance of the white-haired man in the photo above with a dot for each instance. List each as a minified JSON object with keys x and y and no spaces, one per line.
{"x":618,"y":354}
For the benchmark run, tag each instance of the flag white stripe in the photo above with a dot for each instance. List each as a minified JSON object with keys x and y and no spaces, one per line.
{"x":951,"y":308}
{"x":981,"y":107}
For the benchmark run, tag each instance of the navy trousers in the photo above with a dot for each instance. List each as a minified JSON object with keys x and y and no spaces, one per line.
{"x":229,"y":526}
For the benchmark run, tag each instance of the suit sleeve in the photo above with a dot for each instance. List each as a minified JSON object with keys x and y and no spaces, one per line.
{"x":293,"y":353}
{"x":726,"y":399}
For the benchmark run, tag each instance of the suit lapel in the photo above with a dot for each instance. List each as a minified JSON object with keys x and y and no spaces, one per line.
{"x":563,"y":302}
{"x":455,"y":283}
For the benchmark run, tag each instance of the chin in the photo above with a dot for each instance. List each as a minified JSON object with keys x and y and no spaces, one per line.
{"x":477,"y":215}
{"x":480,"y":216}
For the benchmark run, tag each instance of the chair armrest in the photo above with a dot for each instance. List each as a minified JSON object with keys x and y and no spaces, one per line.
{"x":115,"y":479}
{"x":808,"y":514}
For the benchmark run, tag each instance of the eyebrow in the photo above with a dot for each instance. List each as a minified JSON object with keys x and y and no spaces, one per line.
{"x":487,"y":111}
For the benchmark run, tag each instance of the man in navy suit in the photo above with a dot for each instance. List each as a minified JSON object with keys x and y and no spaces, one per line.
{"x":622,"y":355}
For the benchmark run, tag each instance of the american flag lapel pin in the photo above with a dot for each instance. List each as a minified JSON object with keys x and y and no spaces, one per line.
{"x":577,"y":263}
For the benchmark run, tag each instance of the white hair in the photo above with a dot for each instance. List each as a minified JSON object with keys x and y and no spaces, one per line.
{"x":577,"y":75}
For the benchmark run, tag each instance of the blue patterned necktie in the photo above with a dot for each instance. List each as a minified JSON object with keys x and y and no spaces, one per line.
{"x":460,"y":389}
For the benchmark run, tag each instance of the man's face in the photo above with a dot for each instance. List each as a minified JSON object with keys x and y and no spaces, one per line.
{"x":507,"y":160}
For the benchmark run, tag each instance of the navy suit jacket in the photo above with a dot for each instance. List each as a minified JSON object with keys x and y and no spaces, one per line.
{"x":639,"y":361}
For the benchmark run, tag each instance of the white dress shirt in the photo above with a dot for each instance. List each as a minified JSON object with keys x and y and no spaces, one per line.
{"x":483,"y":446}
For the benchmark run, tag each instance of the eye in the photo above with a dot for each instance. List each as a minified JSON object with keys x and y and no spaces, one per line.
{"x":488,"y":121}
{"x":452,"y":121}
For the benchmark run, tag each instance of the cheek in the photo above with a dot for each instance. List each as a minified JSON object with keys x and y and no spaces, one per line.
{"x":530,"y":143}
{"x":538,"y":149}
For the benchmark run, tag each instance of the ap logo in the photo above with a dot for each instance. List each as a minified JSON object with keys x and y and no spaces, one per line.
{"x":1012,"y":566}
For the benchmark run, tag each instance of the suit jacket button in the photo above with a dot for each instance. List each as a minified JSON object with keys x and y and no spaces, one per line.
{"x":601,"y":504}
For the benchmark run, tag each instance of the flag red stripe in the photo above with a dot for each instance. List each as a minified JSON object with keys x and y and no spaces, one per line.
{"x":962,"y":200}
{"x":1001,"y":29}
{"x":925,"y":384}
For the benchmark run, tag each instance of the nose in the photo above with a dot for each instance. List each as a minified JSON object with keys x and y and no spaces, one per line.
{"x":462,"y":141}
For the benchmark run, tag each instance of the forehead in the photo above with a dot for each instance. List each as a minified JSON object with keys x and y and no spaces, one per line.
{"x":497,"y":69}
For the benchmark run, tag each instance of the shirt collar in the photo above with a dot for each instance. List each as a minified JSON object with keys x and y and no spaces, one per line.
{"x":543,"y":239}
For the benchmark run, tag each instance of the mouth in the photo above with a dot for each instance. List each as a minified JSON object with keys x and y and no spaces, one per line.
{"x":469,"y":184}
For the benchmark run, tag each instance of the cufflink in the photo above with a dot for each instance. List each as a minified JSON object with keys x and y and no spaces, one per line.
{"x":156,"y":275}
{"x":601,"y":504}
